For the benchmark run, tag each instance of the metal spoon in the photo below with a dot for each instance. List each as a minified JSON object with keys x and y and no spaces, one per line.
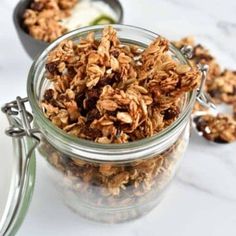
{"x":198,"y":123}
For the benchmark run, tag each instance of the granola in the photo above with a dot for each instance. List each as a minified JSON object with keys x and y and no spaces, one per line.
{"x":109,"y":92}
{"x":221,"y":86}
{"x":46,"y":20}
{"x":42,"y":19}
{"x":201,"y":55}
{"x":122,"y":187}
{"x":220,"y":129}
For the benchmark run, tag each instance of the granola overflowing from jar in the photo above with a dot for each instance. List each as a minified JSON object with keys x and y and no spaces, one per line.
{"x":109,"y":92}
{"x":201,"y":55}
{"x":221,"y":86}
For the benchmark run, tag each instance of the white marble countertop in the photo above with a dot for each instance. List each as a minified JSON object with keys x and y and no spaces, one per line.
{"x":202,"y":198}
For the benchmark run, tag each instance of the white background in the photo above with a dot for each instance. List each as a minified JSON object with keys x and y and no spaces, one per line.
{"x":202,"y":199}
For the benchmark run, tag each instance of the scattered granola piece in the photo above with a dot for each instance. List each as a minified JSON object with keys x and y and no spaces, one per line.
{"x":223,"y":87}
{"x":220,"y":129}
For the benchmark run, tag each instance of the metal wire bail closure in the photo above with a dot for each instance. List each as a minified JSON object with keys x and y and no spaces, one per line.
{"x":25,"y":141}
{"x":202,"y":97}
{"x":15,"y":108}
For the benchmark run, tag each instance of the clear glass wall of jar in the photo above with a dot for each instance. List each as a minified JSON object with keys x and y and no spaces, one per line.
{"x":110,"y":182}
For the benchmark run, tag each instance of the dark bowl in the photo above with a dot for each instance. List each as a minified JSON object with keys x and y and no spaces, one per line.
{"x":34,"y":47}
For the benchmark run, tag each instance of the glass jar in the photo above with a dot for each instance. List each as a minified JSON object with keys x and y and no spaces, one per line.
{"x":105,"y":182}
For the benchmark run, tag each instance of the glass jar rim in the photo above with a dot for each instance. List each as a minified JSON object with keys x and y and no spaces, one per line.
{"x":97,"y":148}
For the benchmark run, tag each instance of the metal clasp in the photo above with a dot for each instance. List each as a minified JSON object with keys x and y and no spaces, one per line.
{"x":187,"y":51}
{"x":25,"y":141}
{"x":202,"y":97}
{"x":15,"y":108}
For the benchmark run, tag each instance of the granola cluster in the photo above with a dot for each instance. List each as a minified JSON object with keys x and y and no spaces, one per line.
{"x":220,"y":129}
{"x":42,"y":18}
{"x":221,"y":86}
{"x":109,"y":92}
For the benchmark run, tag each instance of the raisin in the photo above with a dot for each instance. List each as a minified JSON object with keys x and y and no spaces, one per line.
{"x":118,"y":131}
{"x":171,"y":113}
{"x":71,"y":71}
{"x":93,"y":93}
{"x":115,"y":53}
{"x":92,"y":115}
{"x":48,"y":94}
{"x":90,"y":103}
{"x":201,"y":124}
{"x":220,"y":140}
{"x":79,"y":100}
{"x":178,"y":85}
{"x":91,"y":99}
{"x":215,"y":93}
{"x":62,"y":97}
{"x":37,"y":6}
{"x":92,"y":133}
{"x":51,"y":67}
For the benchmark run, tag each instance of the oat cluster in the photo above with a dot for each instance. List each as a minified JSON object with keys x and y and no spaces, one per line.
{"x":221,"y":86}
{"x":220,"y":129}
{"x":108,"y":92}
{"x":42,"y":18}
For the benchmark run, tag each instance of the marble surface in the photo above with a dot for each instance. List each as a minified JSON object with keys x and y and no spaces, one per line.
{"x":202,"y":198}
